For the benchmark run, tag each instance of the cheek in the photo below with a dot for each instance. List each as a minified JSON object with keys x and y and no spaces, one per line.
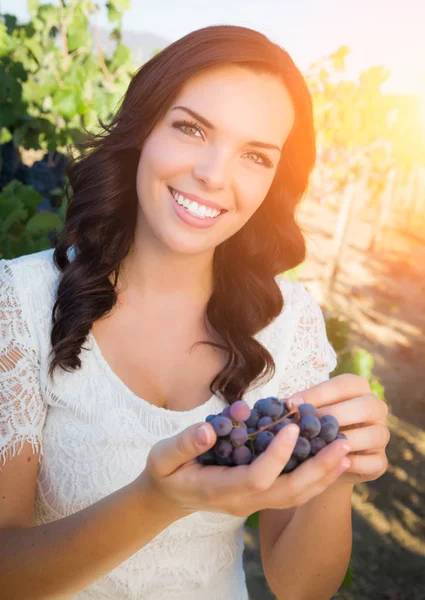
{"x":163,"y":158}
{"x":252,"y":193}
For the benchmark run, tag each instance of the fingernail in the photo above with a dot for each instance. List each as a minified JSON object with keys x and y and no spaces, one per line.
{"x":295,"y":402}
{"x":345,"y":463}
{"x":346,"y":447}
{"x":201,"y":435}
{"x":290,"y":433}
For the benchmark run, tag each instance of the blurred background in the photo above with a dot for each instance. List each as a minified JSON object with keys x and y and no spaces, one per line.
{"x":63,"y":64}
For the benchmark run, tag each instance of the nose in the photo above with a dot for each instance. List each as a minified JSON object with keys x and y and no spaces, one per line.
{"x":213,"y":169}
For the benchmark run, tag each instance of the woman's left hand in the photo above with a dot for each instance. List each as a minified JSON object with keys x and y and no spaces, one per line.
{"x":362,"y":417}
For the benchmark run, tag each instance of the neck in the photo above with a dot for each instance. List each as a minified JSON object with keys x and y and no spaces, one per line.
{"x":151,"y":273}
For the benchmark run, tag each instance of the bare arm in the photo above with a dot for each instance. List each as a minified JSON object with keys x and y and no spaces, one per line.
{"x":68,"y":555}
{"x":309,"y":559}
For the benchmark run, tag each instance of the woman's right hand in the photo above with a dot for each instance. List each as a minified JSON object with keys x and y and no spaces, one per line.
{"x":174,"y":476}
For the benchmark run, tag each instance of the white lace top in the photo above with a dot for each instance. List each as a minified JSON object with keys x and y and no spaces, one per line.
{"x":94,"y":434}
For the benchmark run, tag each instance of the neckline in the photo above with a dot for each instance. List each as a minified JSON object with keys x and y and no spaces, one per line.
{"x":153,"y":407}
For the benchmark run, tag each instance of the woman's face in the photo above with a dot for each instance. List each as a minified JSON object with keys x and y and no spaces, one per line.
{"x":218,"y":155}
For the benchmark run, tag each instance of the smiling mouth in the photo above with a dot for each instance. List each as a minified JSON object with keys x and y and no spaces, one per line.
{"x":193,"y":208}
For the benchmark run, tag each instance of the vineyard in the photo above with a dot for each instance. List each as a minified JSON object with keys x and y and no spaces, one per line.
{"x":363,"y":218}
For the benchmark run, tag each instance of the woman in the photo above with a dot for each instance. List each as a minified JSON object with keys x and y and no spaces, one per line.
{"x":181,"y":219}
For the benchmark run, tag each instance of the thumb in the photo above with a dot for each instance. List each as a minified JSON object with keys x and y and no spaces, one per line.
{"x":173,"y":452}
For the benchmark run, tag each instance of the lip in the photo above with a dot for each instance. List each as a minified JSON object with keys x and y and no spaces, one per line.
{"x":184,"y":215}
{"x":198,"y":199}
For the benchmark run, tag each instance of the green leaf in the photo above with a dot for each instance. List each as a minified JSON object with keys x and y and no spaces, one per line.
{"x":33,"y":6}
{"x":348,"y":579}
{"x":7,"y":117}
{"x":10,"y":22}
{"x":253,"y":521}
{"x":113,"y":14}
{"x":121,"y":4}
{"x":363,"y":363}
{"x":10,"y":89}
{"x":44,"y":222}
{"x":5,"y":135}
{"x":79,"y":36}
{"x":35,"y":48}
{"x":19,"y":214}
{"x":121,"y":55}
{"x":378,"y":389}
{"x":66,"y":102}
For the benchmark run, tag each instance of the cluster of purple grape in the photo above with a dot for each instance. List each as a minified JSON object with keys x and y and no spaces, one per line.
{"x":243,"y":434}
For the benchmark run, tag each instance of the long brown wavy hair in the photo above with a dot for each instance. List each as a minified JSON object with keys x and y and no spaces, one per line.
{"x":101,"y":210}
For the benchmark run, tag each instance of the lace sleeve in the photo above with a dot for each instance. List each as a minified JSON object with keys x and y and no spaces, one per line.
{"x":22,"y":407}
{"x":311,"y":357}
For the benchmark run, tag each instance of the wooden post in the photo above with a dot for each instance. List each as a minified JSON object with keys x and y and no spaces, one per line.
{"x":418,"y":202}
{"x":340,"y":235}
{"x":411,"y":197}
{"x":384,"y":212}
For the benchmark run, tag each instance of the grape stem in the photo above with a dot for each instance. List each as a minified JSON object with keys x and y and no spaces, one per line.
{"x":294,"y":411}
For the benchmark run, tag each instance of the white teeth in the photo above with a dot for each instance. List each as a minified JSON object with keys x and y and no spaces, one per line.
{"x":198,"y":210}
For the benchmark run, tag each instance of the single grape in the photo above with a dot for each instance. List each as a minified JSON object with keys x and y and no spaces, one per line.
{"x":208,"y":458}
{"x":259,"y":405}
{"x":240,"y":411}
{"x":243,"y":425}
{"x":272,"y":407}
{"x":264,"y":421}
{"x":254,"y":457}
{"x":280,"y":426}
{"x":317,"y":444}
{"x":307,"y":410}
{"x":242,"y":455}
{"x":262,"y":441}
{"x":309,"y":426}
{"x":302,"y":449}
{"x":210,"y":418}
{"x":329,"y":432}
{"x":290,"y":465}
{"x":222,"y":425}
{"x":238,"y":436}
{"x":226,"y":412}
{"x":223,"y":448}
{"x":251,"y":430}
{"x":253,"y":418}
{"x":329,"y":419}
{"x":341,"y":436}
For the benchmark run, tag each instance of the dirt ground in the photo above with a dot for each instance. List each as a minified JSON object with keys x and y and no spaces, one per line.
{"x":382,"y":295}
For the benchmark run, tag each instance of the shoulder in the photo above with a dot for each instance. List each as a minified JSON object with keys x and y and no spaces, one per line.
{"x":29,"y":271}
{"x":295,"y":295}
{"x":28,"y":286}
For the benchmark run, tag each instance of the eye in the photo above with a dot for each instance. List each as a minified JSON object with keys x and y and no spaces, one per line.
{"x":266,"y":160}
{"x":189,"y":125}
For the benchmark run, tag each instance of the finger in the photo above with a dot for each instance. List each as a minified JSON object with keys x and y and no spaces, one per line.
{"x":259,"y":475}
{"x":339,"y":388}
{"x":171,"y":453}
{"x":267,"y":467}
{"x":364,"y":409}
{"x":368,"y":465}
{"x":372,"y":437}
{"x":342,"y":466}
{"x":294,"y":487}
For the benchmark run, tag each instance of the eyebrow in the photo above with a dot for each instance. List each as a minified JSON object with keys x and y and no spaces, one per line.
{"x":209,"y":125}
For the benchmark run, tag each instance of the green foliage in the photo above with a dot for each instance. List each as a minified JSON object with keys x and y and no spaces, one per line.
{"x":52,"y":75}
{"x":356,"y":361}
{"x":253,"y":521}
{"x":55,"y":82}
{"x":23,"y":230}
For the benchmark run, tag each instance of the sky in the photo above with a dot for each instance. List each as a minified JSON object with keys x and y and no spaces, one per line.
{"x":378,"y":32}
